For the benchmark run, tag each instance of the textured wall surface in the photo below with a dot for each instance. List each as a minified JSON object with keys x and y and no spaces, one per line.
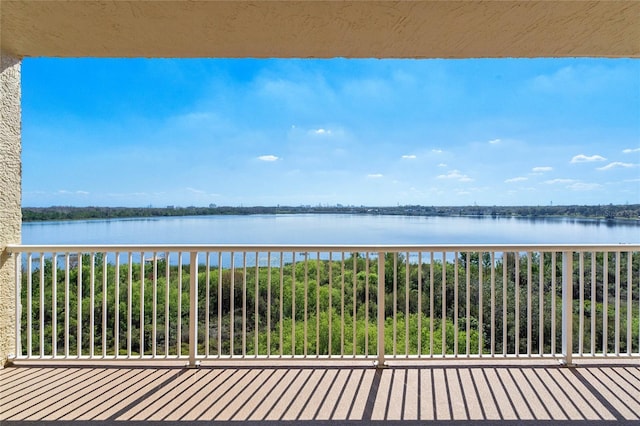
{"x":301,"y":28}
{"x":10,"y":187}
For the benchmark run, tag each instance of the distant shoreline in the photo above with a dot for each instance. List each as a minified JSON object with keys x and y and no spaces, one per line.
{"x":606,"y":212}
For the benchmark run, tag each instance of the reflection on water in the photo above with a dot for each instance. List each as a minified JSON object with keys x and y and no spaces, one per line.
{"x":332,"y":229}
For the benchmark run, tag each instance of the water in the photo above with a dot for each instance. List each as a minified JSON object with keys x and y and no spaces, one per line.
{"x":331,"y":229}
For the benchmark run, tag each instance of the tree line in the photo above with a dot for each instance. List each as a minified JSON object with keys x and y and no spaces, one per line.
{"x":607,"y":212}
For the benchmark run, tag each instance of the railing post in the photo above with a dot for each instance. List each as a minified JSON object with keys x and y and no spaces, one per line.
{"x":381,"y":291}
{"x":567,"y":308}
{"x":193,"y":309}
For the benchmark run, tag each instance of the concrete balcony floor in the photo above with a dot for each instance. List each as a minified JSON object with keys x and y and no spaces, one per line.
{"x":451,"y":392}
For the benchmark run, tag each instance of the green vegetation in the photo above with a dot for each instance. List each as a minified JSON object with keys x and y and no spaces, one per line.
{"x":284,"y":306}
{"x":632,"y":211}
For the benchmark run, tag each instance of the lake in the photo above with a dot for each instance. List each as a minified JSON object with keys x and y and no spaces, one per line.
{"x":332,"y":229}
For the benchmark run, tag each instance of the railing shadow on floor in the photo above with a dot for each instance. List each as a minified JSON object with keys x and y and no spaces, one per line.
{"x":317,"y":395}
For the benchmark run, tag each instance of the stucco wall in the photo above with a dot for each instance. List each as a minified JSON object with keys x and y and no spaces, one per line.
{"x":10,"y":193}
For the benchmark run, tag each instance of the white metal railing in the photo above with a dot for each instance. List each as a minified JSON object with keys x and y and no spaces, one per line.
{"x":316,"y":302}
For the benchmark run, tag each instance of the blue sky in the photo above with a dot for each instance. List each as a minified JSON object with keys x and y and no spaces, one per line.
{"x":139,"y":132}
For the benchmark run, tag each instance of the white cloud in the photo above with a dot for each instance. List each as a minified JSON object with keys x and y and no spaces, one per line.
{"x":195,"y":191}
{"x":516,"y":179}
{"x":268,"y":158}
{"x":320,"y":131}
{"x":581,"y":79}
{"x":442,"y":165}
{"x":614,"y":165}
{"x":409,"y":157}
{"x":495,"y":141}
{"x":542,"y":169}
{"x":67,"y":192}
{"x":132,"y":194}
{"x":581,"y":186}
{"x":630,"y":150}
{"x":560,"y":78}
{"x":436,"y":151}
{"x":555,"y":181}
{"x":455,"y":174}
{"x":375,"y":175}
{"x":581,"y":158}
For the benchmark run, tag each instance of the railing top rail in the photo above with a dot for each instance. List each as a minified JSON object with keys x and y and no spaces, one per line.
{"x":22,"y":248}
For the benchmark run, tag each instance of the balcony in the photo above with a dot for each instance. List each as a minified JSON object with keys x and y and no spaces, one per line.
{"x":293,"y":333}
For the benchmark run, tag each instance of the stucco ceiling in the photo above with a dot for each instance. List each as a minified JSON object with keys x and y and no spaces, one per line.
{"x":409,"y":29}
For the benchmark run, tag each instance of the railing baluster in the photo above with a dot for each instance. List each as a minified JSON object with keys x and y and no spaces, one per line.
{"x":244,"y":304}
{"x":116,"y":318}
{"x":317,"y":304}
{"x":480,"y":305}
{"x":581,"y":309}
{"x":79,"y":318}
{"x":395,"y":303}
{"x":431,"y":303}
{"x":220,"y":297}
{"x":142,"y":272}
{"x":529,"y":307}
{"x":306,"y":300}
{"x":231,"y":302}
{"x":505,"y":285}
{"x":41,"y":327}
{"x":293,"y":304}
{"x":256,"y":307}
{"x":167,"y":278}
{"x":92,"y":303}
{"x":281,"y":302}
{"x":29,"y":304}
{"x":381,"y":296}
{"x":517,"y":302}
{"x":455,"y":305}
{"x":419,"y":304}
{"x":406,"y":306}
{"x":366,"y":304}
{"x":605,"y":300}
{"x":179,"y":322}
{"x":193,"y":308}
{"x":355,"y":287}
{"x":330,"y":330}
{"x":567,"y":307}
{"x":154,"y":310}
{"x":541,"y":304}
{"x":342,"y":304}
{"x":54,"y":304}
{"x":444,"y":304}
{"x":207,"y":306}
{"x":629,"y":305}
{"x":104,"y":304}
{"x":269,"y":303}
{"x":129,"y":303}
{"x":617,"y":307}
{"x":493,"y":303}
{"x":594,"y":262}
{"x":67,"y":279}
{"x":553,"y":303}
